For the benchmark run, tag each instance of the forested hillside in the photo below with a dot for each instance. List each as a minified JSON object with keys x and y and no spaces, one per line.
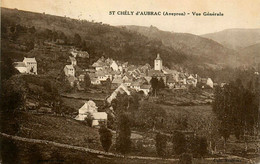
{"x":26,"y":34}
{"x":213,"y":53}
{"x":97,"y":38}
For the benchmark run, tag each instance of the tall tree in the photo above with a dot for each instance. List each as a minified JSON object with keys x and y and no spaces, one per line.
{"x":155,"y":85}
{"x":123,"y":141}
{"x":105,"y":138}
{"x":77,"y":40}
{"x":87,"y":81}
{"x":179,"y":143}
{"x":161,"y":143}
{"x":235,"y":109}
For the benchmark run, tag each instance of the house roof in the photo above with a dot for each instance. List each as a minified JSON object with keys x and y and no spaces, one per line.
{"x":135,"y":83}
{"x":99,"y":115}
{"x":100,"y":73}
{"x":98,"y":64}
{"x":204,"y":80}
{"x":94,"y":79}
{"x":145,"y":86}
{"x":72,"y":78}
{"x":148,"y":78}
{"x":170,"y":79}
{"x":155,"y":73}
{"x":72,"y":58}
{"x":69,"y":66}
{"x":19,"y":64}
{"x":92,"y":75}
{"x":128,"y":81}
{"x":81,"y":76}
{"x":117,"y":81}
{"x":25,"y":60}
{"x":83,"y":54}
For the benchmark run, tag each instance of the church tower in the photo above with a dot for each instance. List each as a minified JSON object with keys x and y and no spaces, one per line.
{"x":158,"y":63}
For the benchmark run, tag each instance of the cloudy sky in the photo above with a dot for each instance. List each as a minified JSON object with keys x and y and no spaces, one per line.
{"x":237,"y":13}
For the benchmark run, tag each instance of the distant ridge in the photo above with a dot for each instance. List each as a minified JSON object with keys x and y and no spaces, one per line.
{"x":236,"y":38}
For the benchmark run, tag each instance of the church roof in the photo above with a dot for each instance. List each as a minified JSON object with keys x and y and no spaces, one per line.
{"x":155,"y":73}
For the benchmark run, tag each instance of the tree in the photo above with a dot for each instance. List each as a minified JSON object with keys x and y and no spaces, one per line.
{"x":105,"y":138}
{"x":179,"y":143}
{"x":199,"y":146}
{"x":123,"y":141}
{"x":154,"y":82}
{"x":235,"y":108}
{"x":77,"y":40}
{"x":29,"y":44}
{"x":161,"y":84}
{"x":47,"y":86}
{"x":7,"y":67}
{"x":108,"y":84}
{"x":87,"y":81}
{"x":161,"y":142}
{"x":9,"y":151}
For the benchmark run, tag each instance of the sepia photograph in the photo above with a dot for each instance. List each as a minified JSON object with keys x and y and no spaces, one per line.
{"x":130,"y":82}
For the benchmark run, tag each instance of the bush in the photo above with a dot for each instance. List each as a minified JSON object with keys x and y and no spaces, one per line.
{"x":105,"y":138}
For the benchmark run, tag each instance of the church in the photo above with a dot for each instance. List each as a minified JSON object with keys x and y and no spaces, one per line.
{"x":157,"y":71}
{"x":158,"y":63}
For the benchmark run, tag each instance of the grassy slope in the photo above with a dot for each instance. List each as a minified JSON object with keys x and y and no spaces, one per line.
{"x":59,"y":129}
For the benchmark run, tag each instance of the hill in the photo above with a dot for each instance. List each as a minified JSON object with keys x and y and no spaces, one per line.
{"x":235,"y":38}
{"x":29,"y":34}
{"x":207,"y":50}
{"x":97,"y":38}
{"x":251,"y":54}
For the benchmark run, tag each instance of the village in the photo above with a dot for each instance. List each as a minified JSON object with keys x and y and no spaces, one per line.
{"x":120,"y":76}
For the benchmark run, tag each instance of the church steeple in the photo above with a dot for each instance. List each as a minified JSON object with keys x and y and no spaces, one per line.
{"x":158,"y":63}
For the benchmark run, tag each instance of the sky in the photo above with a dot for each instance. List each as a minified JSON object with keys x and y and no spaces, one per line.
{"x":237,"y":13}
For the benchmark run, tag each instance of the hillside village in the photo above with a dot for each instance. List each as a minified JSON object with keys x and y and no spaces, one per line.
{"x":134,"y":77}
{"x":120,"y":76}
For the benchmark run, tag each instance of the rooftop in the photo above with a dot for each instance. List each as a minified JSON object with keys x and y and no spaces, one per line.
{"x":25,"y":60}
{"x":158,"y":57}
{"x":145,"y":86}
{"x":69,"y":66}
{"x":19,"y":64}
